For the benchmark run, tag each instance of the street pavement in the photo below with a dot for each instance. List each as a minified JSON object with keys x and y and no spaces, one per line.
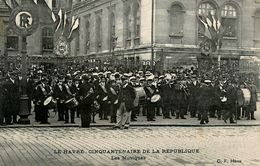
{"x":142,"y":121}
{"x":173,"y":146}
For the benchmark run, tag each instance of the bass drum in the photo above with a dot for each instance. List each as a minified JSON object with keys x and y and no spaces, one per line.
{"x":50,"y":103}
{"x":140,"y":96}
{"x":247,"y":96}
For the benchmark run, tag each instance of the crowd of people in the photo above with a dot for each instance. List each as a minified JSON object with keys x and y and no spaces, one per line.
{"x":123,"y":96}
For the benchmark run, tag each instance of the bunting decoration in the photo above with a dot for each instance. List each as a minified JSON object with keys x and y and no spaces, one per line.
{"x":75,"y":25}
{"x":64,"y":27}
{"x":212,"y":35}
{"x":11,"y":4}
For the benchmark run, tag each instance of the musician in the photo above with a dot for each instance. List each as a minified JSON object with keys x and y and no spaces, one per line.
{"x":113,"y":91}
{"x":194,"y":90}
{"x":86,"y":96}
{"x":126,"y":104}
{"x":180,"y":94}
{"x":231,"y":101}
{"x":158,"y":105}
{"x":204,"y":101}
{"x":59,"y":95}
{"x":216,"y":102}
{"x":103,"y":98}
{"x":12,"y":98}
{"x":43,"y":91}
{"x":70,"y":92}
{"x":150,"y":91}
{"x":77,"y":82}
{"x":30,"y":90}
{"x":165,"y":90}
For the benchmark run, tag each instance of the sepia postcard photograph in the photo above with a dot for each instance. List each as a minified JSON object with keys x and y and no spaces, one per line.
{"x":129,"y":82}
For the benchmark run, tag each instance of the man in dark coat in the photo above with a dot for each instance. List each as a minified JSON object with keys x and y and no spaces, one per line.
{"x":12,"y":98}
{"x":86,"y":99}
{"x":204,"y":101}
{"x":165,"y":89}
{"x":113,"y":90}
{"x":102,"y":91}
{"x":193,"y":99}
{"x":231,"y":93}
{"x":150,"y":91}
{"x":43,"y":91}
{"x":126,"y":104}
{"x":180,"y":99}
{"x":59,"y":95}
{"x":70,"y":92}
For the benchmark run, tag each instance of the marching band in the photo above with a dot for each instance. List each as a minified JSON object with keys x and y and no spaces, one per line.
{"x":123,"y":97}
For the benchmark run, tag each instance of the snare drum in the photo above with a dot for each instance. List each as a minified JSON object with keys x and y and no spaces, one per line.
{"x":50,"y":103}
{"x":155,"y":98}
{"x":71,"y":103}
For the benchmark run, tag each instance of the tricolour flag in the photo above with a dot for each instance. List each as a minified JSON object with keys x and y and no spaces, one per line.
{"x":60,"y":20}
{"x":11,"y":4}
{"x":75,"y":26}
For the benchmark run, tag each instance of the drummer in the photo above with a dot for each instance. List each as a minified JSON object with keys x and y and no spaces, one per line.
{"x":70,"y":92}
{"x":59,"y":95}
{"x":43,"y":91}
{"x":150,"y":91}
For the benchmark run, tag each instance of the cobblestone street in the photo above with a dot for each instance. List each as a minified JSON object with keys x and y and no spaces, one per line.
{"x":94,"y":146}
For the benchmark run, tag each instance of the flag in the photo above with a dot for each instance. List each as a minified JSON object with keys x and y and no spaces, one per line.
{"x":11,"y":4}
{"x":75,"y":26}
{"x":206,"y":33}
{"x":45,"y":12}
{"x":64,"y":21}
{"x":60,"y":20}
{"x":214,"y":23}
{"x":49,"y":4}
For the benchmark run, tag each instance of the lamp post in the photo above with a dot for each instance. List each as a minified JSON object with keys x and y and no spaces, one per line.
{"x":25,"y":26}
{"x":24,"y":100}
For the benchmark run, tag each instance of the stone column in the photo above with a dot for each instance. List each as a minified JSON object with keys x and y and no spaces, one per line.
{"x":119,"y":18}
{"x":82,"y":36}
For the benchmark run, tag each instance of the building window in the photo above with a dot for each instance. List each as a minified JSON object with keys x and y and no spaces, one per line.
{"x":257,"y":29}
{"x":98,"y":34}
{"x":137,"y":15}
{"x":87,"y":46}
{"x":207,"y":8}
{"x":204,"y":9}
{"x":12,"y":40}
{"x":229,"y":20}
{"x":47,"y":39}
{"x":176,"y":20}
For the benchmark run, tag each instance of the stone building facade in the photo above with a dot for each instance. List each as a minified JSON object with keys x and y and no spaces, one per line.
{"x":137,"y":32}
{"x":131,"y":31}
